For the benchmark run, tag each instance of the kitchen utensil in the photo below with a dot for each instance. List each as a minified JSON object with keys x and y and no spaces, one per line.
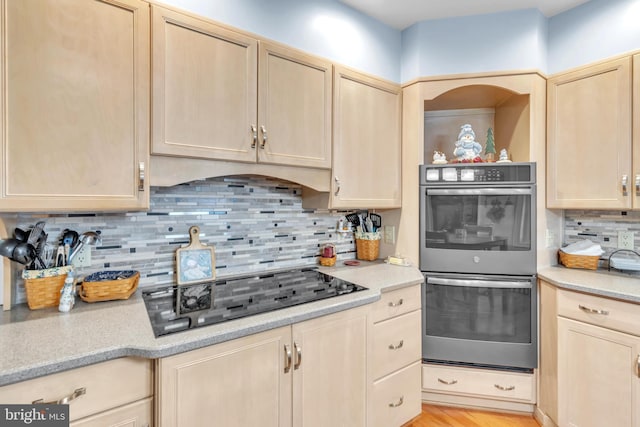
{"x":70,"y":237}
{"x":362,"y":223}
{"x":36,"y":233}
{"x":24,"y":253}
{"x":369,"y":224}
{"x":61,"y":257}
{"x":7,"y":246}
{"x":21,"y":234}
{"x":86,"y":238}
{"x":377,"y":221}
{"x":353,"y":219}
{"x":195,"y":262}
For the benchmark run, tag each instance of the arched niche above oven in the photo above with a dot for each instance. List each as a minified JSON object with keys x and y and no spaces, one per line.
{"x":513,"y":105}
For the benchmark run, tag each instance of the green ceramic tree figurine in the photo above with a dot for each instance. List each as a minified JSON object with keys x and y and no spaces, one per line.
{"x":490,"y":148}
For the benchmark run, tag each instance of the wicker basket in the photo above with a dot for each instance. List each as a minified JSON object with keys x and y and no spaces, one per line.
{"x":367,"y":250}
{"x":328,"y":262}
{"x":43,"y":286}
{"x":109,"y":285}
{"x":578,"y":261}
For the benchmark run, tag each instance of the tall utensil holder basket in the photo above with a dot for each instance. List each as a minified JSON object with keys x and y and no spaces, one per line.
{"x":367,"y":250}
{"x":43,"y":286}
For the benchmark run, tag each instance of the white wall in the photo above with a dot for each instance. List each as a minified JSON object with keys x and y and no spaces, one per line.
{"x":325,"y":28}
{"x":494,"y":42}
{"x":593,"y":31}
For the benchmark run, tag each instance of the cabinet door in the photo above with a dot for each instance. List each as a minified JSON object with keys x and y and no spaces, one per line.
{"x":204,"y":89}
{"x":294,"y":108}
{"x":598,"y":381}
{"x":589,"y":137}
{"x":329,"y":379}
{"x":237,"y":383}
{"x":366,"y":145}
{"x":636,"y":130}
{"x":75,"y":82}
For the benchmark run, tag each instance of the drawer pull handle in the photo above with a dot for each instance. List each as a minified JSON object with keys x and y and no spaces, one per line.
{"x":396,"y":304}
{"x":625,"y":182}
{"x":396,"y":347}
{"x":593,"y":310}
{"x":76,"y":394}
{"x":509,"y":388}
{"x":298,"y":361}
{"x":399,"y":403}
{"x":452,"y":382}
{"x":287,"y":358}
{"x":638,"y":366}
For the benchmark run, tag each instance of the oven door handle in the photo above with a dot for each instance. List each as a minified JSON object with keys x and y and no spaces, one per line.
{"x":479,"y":283}
{"x":479,"y":191}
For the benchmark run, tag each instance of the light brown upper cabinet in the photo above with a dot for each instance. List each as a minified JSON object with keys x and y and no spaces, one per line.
{"x":589,"y":137}
{"x":366,"y":142}
{"x":221,"y":94}
{"x":75,"y":105}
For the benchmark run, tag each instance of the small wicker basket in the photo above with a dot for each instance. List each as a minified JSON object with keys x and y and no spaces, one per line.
{"x":109,"y":285}
{"x":367,"y":250}
{"x":328,"y":262}
{"x":43,"y":286}
{"x":578,"y":261}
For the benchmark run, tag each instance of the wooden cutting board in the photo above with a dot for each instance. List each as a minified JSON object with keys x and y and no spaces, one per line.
{"x":195,"y":262}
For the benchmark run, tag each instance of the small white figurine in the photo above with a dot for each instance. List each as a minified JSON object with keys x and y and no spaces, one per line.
{"x":504,"y":157}
{"x":439,"y":158}
{"x":467,"y":149}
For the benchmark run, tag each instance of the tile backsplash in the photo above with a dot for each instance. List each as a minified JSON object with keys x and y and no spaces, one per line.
{"x":601,"y":227}
{"x":254,"y":223}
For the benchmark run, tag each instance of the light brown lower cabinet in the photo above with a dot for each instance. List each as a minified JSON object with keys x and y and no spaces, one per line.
{"x":113,"y":393}
{"x":395,"y":358}
{"x":598,"y":361}
{"x":312,"y":373}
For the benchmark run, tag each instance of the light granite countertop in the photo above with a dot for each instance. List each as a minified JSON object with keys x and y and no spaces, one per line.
{"x":598,"y":282}
{"x":42,"y":342}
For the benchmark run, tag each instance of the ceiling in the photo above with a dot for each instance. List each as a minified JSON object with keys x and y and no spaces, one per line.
{"x":401,"y":14}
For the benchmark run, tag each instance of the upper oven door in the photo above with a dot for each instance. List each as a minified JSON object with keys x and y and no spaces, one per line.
{"x":478,"y":229}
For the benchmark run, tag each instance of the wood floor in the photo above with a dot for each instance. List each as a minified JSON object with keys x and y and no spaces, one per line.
{"x":443,"y":416}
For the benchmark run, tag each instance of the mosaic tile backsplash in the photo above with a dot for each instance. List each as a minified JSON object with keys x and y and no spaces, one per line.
{"x":254,"y":223}
{"x":601,"y":227}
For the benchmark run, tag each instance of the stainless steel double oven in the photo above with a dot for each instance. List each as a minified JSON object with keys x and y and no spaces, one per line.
{"x":478,"y":255}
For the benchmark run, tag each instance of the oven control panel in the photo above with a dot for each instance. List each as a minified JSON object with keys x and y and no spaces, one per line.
{"x":475,"y":173}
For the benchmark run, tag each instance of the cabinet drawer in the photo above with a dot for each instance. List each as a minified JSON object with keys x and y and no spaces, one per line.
{"x":396,"y":398}
{"x":396,"y":343}
{"x":138,"y":414}
{"x":107,"y":385}
{"x":604,"y":312}
{"x":479,"y":383}
{"x":397,"y":302}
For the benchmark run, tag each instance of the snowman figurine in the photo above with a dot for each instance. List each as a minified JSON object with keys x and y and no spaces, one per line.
{"x":504,"y":157}
{"x":467,"y":149}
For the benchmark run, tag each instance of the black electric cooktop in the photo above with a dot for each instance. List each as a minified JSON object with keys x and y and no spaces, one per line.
{"x":173,"y":308}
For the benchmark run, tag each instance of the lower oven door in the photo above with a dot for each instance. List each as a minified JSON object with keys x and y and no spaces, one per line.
{"x":480,"y":320}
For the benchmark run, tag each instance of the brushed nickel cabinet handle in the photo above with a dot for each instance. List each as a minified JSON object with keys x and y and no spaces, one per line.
{"x":396,"y":404}
{"x":65,"y":400}
{"x":625,"y":182}
{"x":638,"y":366}
{"x":141,"y":176}
{"x":264,"y":136}
{"x":254,"y":136}
{"x":337,"y":180}
{"x":396,"y":347}
{"x":638,"y":185}
{"x":508,"y":388}
{"x":298,"y":355}
{"x":287,"y":358}
{"x":593,"y":310}
{"x":452,"y":382}
{"x":396,"y":304}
